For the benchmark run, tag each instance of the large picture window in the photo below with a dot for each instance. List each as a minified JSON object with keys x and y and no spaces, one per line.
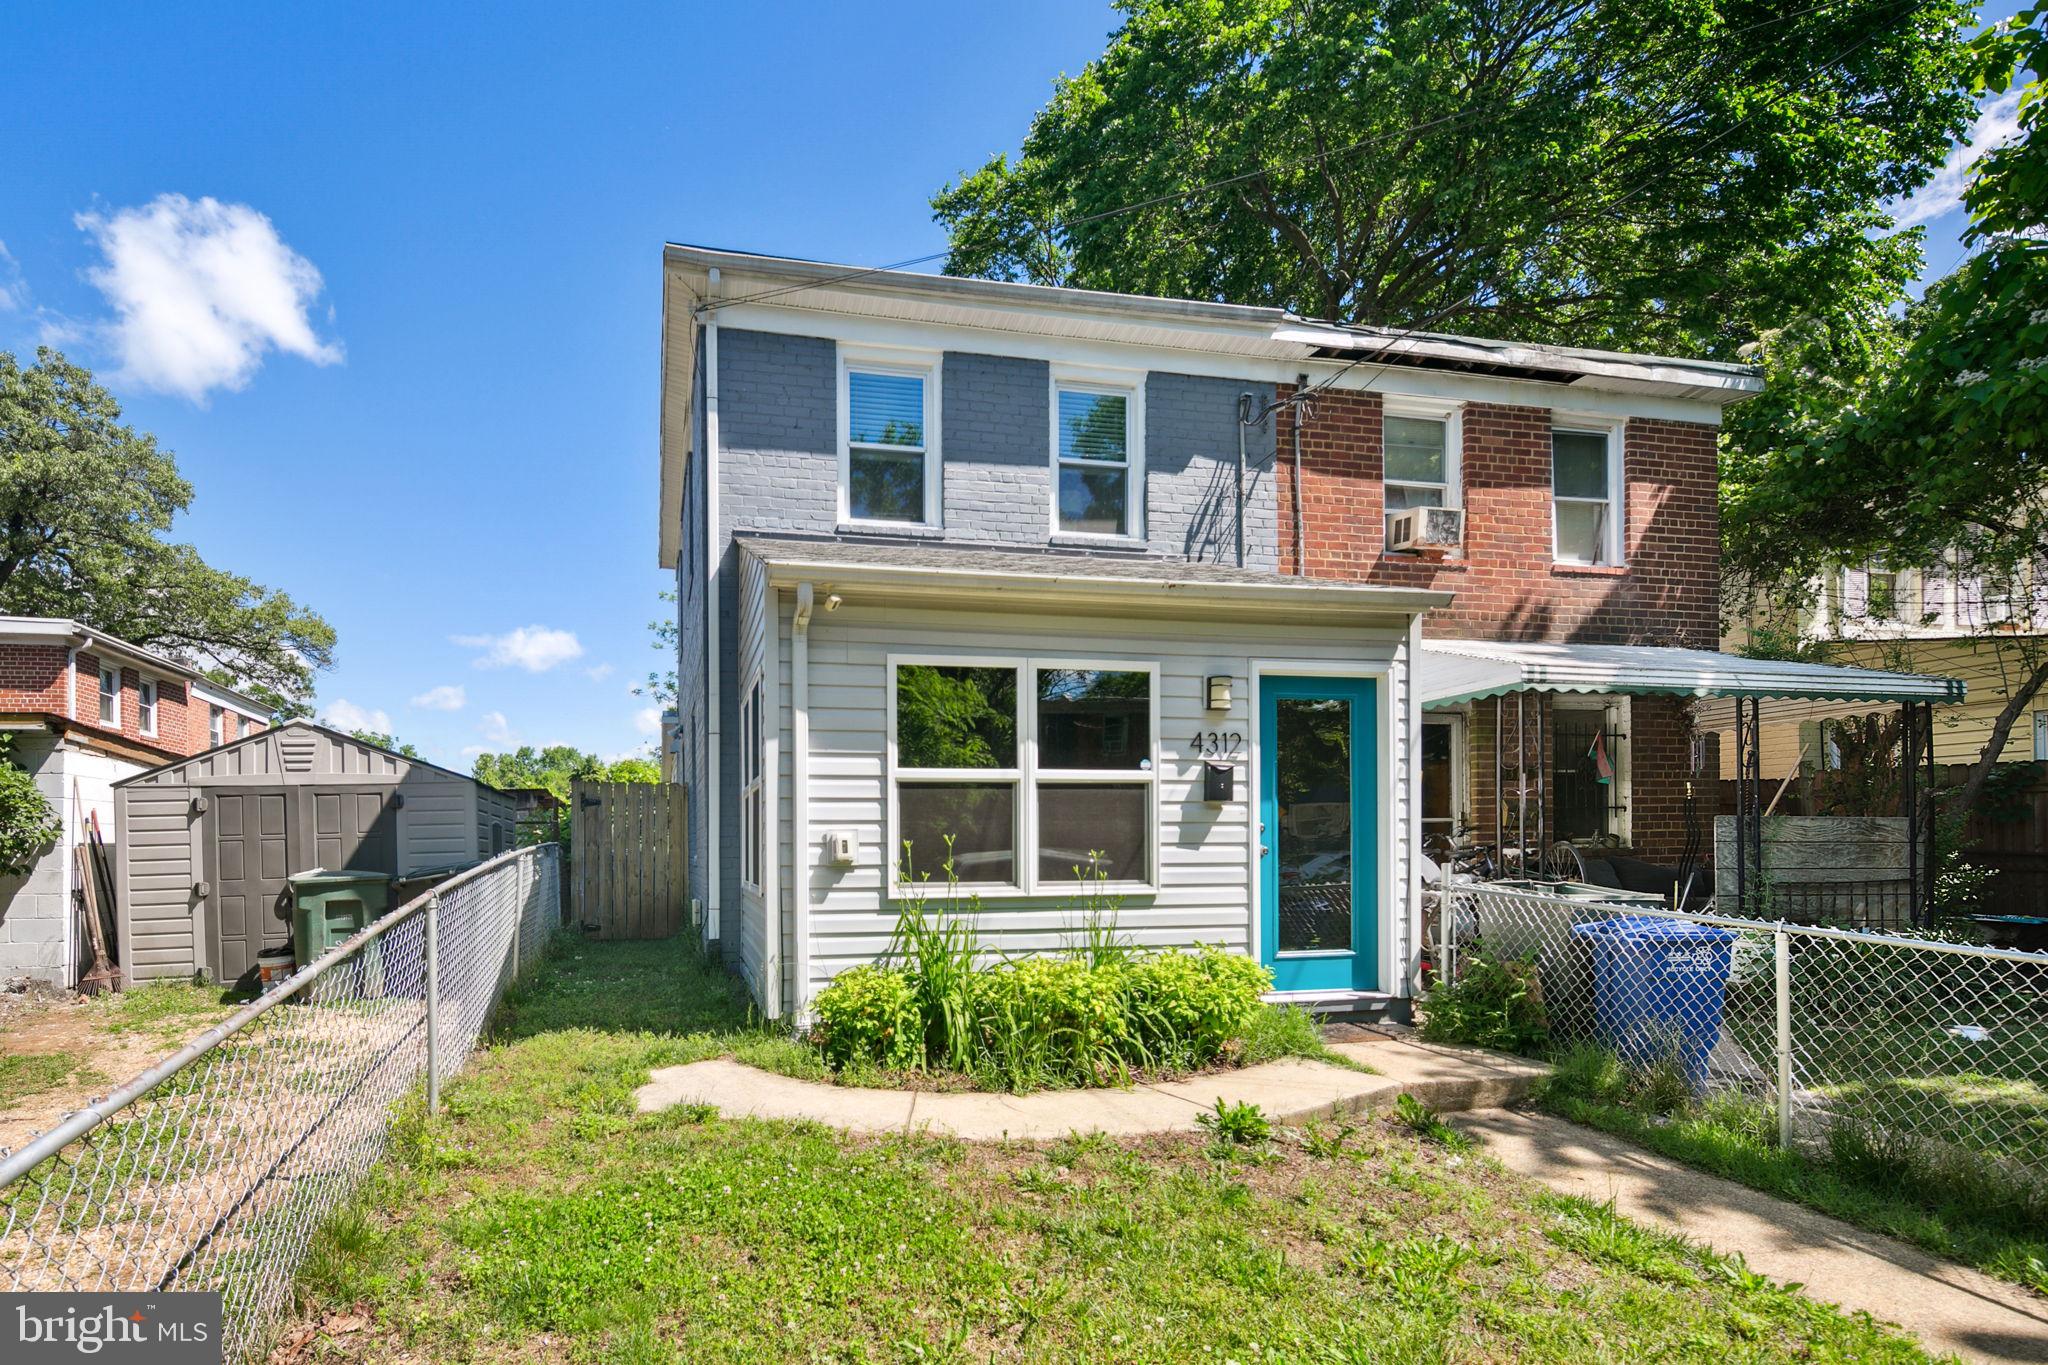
{"x":889,"y":443}
{"x":1024,"y":774}
{"x":1098,"y":489}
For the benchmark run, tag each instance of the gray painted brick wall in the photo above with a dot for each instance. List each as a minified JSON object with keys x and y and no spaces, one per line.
{"x":995,"y":431}
{"x":1191,"y":470}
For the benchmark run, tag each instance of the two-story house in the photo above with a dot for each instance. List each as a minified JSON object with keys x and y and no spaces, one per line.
{"x":84,"y":710}
{"x":1020,"y":580}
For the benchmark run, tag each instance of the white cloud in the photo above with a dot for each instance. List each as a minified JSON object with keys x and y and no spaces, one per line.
{"x":343,"y":714}
{"x":449,"y":697}
{"x":647,"y":720}
{"x":598,"y":672}
{"x":473,"y":750}
{"x":13,"y":293}
{"x":533,"y":648}
{"x":202,"y":291}
{"x":1997,"y":124}
{"x":495,"y":727}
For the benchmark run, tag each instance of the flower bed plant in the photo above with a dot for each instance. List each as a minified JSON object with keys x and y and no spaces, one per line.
{"x":1095,"y":1015}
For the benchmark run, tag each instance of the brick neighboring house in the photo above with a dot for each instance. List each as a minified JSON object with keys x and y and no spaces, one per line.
{"x":84,"y":710}
{"x":1615,"y":767}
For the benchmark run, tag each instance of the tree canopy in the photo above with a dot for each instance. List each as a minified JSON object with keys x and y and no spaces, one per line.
{"x":555,"y":767}
{"x":384,"y":740}
{"x":1924,"y":442}
{"x":1671,"y":175}
{"x":86,"y":508}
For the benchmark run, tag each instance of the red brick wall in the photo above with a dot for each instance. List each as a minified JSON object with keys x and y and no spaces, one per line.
{"x":1507,"y":586}
{"x":33,"y":679}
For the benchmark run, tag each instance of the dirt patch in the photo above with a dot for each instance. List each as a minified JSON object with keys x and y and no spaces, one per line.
{"x":100,"y":1038}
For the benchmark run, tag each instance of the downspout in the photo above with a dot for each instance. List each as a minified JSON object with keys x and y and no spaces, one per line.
{"x":801,"y":856}
{"x":1300,"y":536}
{"x":71,"y":683}
{"x":1410,"y":949}
{"x":1244,"y":419}
{"x":771,"y":811}
{"x":714,"y":553}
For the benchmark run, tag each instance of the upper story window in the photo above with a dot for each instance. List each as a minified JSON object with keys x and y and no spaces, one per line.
{"x":1420,"y":461}
{"x":145,"y":706}
{"x":889,"y":446}
{"x":1097,"y":459}
{"x":216,"y":726}
{"x":110,"y":697}
{"x":1585,"y":485}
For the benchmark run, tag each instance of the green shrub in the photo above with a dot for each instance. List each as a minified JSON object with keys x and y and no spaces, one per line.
{"x":1187,"y":1007}
{"x":1046,"y":1019}
{"x":1496,"y":1003}
{"x":871,"y":1014}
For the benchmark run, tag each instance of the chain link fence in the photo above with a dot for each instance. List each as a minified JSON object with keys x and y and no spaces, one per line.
{"x":213,"y":1169}
{"x":1936,"y":1048}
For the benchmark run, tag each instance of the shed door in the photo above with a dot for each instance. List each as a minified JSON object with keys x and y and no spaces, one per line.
{"x":249,"y":857}
{"x":355,"y":829}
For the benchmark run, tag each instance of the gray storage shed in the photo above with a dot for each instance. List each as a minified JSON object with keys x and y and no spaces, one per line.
{"x":203,"y":846}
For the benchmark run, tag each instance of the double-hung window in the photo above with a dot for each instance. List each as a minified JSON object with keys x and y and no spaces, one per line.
{"x":1420,"y":459}
{"x":1097,"y":459}
{"x":889,"y":447}
{"x":752,"y":834}
{"x":145,"y":706}
{"x":1585,"y":486}
{"x":216,"y":726}
{"x":1024,"y":774}
{"x":110,"y":697}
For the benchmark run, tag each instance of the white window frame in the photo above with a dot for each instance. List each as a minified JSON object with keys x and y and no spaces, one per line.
{"x":110,"y":696}
{"x":1027,"y":777}
{"x":216,"y":724}
{"x":145,"y":706}
{"x":1130,"y":386}
{"x":2041,"y":737}
{"x":925,"y":365}
{"x":753,"y":842}
{"x":1615,"y":548}
{"x":1452,"y":415}
{"x":1453,"y":721}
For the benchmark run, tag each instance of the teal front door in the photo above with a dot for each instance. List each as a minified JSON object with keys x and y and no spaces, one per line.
{"x":1319,"y":832}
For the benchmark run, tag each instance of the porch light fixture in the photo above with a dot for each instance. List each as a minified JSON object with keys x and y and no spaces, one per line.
{"x":1219,"y":692}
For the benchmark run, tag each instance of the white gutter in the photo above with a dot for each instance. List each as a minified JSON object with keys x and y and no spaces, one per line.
{"x":801,"y":857}
{"x":771,"y":812}
{"x":714,"y":732}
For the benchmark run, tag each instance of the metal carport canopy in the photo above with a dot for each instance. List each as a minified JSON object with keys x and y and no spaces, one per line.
{"x":1466,"y":670}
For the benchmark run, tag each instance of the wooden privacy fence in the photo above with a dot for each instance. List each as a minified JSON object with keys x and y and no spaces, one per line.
{"x":628,"y":874}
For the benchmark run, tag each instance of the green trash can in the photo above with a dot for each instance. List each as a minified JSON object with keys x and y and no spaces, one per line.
{"x":328,"y":907}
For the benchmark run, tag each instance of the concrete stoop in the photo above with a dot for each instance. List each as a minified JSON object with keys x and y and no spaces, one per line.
{"x":1288,"y":1091}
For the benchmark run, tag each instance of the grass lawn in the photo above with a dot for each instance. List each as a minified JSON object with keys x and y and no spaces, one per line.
{"x":541,"y":1218}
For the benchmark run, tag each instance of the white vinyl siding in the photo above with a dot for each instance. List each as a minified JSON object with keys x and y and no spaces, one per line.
{"x":1205,"y":890}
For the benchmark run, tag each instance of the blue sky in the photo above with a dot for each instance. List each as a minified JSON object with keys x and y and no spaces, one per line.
{"x":407,"y":355}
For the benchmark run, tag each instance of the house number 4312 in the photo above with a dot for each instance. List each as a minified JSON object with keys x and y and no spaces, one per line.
{"x":1218,"y":743}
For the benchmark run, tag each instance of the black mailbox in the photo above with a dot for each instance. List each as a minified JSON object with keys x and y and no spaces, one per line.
{"x":1219,"y":782}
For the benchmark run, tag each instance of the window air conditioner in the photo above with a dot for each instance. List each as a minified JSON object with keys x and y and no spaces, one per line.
{"x":1426,"y":530}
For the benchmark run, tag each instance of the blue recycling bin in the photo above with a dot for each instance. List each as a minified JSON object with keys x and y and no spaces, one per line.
{"x":1659,"y":988}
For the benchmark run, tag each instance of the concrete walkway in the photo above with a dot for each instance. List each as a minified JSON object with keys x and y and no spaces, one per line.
{"x":1289,"y":1091}
{"x":1950,"y":1308}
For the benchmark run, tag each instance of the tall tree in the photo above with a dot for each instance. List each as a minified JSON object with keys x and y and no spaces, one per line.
{"x":1670,"y":175}
{"x":1931,"y":448}
{"x":86,"y":506}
